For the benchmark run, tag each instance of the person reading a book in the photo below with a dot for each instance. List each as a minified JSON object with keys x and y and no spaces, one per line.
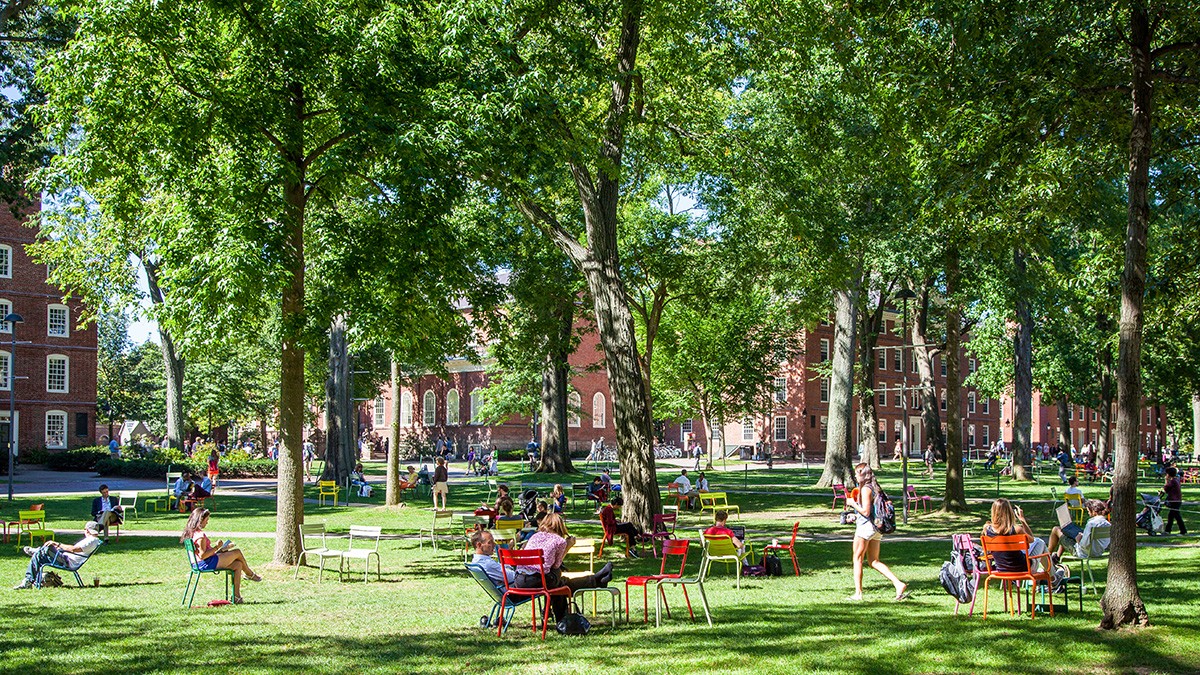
{"x":222,"y":555}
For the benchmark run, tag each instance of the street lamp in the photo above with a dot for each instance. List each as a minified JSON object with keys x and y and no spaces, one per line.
{"x":12,"y":319}
{"x":904,"y":294}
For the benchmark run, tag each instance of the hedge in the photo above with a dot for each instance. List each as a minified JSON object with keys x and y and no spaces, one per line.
{"x":80,"y":459}
{"x":149,"y":468}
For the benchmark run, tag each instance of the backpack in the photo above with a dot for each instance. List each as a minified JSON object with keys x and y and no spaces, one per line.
{"x":754,"y":571}
{"x":883,"y":515}
{"x":954,"y":578}
{"x":573,"y":623}
{"x":773,"y":566}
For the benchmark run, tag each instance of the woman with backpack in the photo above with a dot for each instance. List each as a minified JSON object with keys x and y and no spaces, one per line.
{"x":867,"y":535}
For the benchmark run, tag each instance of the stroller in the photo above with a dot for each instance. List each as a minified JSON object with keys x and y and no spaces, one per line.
{"x":1150,"y":519}
{"x":528,"y":501}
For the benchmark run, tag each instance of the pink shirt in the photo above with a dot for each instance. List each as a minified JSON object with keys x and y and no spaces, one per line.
{"x":553,"y":548}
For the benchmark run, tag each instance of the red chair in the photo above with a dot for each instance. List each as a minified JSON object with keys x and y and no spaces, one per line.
{"x":966,"y":549}
{"x":912,"y":496}
{"x":664,"y":528}
{"x":680,"y":500}
{"x":839,"y":492}
{"x":532,"y":558}
{"x":671,"y":547}
{"x":790,"y":547}
{"x":1015,"y":542}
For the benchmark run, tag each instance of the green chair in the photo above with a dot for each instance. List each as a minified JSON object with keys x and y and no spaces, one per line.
{"x":32,"y":523}
{"x":194,"y":576}
{"x":720,"y":548}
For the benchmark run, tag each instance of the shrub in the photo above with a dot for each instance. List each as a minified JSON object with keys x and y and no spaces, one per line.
{"x":155,"y":468}
{"x":80,"y":459}
{"x":35,"y":456}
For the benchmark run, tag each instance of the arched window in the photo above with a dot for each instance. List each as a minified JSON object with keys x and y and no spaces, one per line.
{"x":452,"y":407}
{"x":5,"y":261}
{"x":5,"y":310}
{"x":599,"y":411}
{"x":574,"y":406}
{"x":58,"y":321}
{"x":476,"y":405}
{"x":406,"y":409}
{"x":58,"y":374}
{"x":5,"y":362}
{"x":56,"y":429}
{"x":429,"y":408}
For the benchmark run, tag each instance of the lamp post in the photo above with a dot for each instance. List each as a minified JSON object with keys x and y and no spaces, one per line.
{"x":12,"y":319}
{"x":904,"y":294}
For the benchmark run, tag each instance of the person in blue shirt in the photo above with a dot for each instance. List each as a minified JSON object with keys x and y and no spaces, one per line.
{"x":114,"y":448}
{"x":485,"y":546}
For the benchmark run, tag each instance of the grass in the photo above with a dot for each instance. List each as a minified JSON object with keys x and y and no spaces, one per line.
{"x":423,"y":616}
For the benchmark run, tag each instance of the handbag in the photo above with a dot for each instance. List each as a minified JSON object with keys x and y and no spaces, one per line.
{"x":574,"y":623}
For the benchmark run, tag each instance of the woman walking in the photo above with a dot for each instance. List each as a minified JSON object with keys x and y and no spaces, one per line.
{"x":867,"y":536}
{"x":441,"y":484}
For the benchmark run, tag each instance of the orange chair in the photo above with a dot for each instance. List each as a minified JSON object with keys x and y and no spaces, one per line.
{"x":671,"y":547}
{"x":532,"y":558}
{"x":680,"y":500}
{"x":839,"y":492}
{"x":1013,"y":543}
{"x":790,"y":547}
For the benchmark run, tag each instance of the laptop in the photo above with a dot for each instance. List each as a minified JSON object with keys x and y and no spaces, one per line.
{"x":1064,"y":515}
{"x":739,"y":532}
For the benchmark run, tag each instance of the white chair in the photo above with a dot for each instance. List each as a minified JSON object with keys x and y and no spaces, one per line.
{"x":1088,"y":549}
{"x":441,"y":527}
{"x":364,"y":554}
{"x":313,"y":531}
{"x":684,"y":582}
{"x":128,"y":503}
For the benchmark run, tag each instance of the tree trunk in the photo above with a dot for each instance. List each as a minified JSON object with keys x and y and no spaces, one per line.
{"x":1121,"y":603}
{"x":262,"y":430}
{"x":931,"y":418}
{"x":173,"y":367}
{"x":838,"y":459}
{"x":393,"y":452}
{"x":1064,"y":423}
{"x":556,"y":450}
{"x":340,"y":450}
{"x":1022,"y":378}
{"x":868,"y":416}
{"x":955,"y":496}
{"x":1196,"y":422}
{"x":1104,"y":435}
{"x":290,"y":492}
{"x":706,"y":420}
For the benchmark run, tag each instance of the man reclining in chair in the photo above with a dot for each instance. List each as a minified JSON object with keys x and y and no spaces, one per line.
{"x":45,"y":554}
{"x":1083,"y":540}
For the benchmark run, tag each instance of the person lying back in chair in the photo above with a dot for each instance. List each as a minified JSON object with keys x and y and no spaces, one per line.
{"x":1088,"y":541}
{"x":45,"y":554}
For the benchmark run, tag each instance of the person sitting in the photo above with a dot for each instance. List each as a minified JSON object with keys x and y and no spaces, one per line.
{"x":685,"y":488}
{"x":1008,"y":519}
{"x":606,"y":478}
{"x":992,"y":455}
{"x":558,"y":498}
{"x":1083,"y":539}
{"x":553,"y":540}
{"x":720,"y":527}
{"x":47,"y":552}
{"x":423,"y":476}
{"x":358,"y":480}
{"x":494,"y":465}
{"x":701,"y":483}
{"x":597,"y":492}
{"x":608,"y":518}
{"x":542,"y":509}
{"x":182,"y":484}
{"x":485,"y":547}
{"x":195,"y":494}
{"x":105,"y":511}
{"x":1073,"y":487}
{"x":222,"y":556}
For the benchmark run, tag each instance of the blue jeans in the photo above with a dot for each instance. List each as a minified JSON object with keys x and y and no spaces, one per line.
{"x":43,"y":556}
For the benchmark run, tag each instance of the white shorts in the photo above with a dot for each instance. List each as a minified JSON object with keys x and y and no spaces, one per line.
{"x":867,"y":531}
{"x":441,"y":488}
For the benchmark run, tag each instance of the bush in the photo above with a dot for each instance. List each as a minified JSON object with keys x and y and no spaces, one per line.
{"x":35,"y":456}
{"x":80,"y":459}
{"x":155,"y":468}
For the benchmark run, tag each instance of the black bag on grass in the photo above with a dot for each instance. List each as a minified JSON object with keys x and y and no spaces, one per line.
{"x":773,"y":565}
{"x":574,"y":623}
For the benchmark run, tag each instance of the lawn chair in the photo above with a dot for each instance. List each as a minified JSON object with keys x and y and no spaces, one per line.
{"x":673,"y":547}
{"x":1076,"y":507}
{"x":196,"y":573}
{"x":966,"y":549}
{"x":579,"y":495}
{"x":127,"y":501}
{"x":683,"y":583}
{"x":441,"y":528}
{"x":172,"y":476}
{"x":1087,"y":550}
{"x":364,"y":554}
{"x":839,"y":492}
{"x":496,"y":593}
{"x":32,"y":523}
{"x":327,"y":488}
{"x":469,"y":525}
{"x":587,"y":547}
{"x":911,"y":495}
{"x":508,"y":530}
{"x":718,"y":501}
{"x":61,"y":562}
{"x":313,"y":531}
{"x":662,"y":530}
{"x":534,"y":559}
{"x":720,"y":548}
{"x":1014,"y":542}
{"x":790,"y":547}
{"x":680,"y":499}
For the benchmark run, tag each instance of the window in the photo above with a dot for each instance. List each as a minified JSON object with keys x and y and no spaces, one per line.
{"x":781,"y":428}
{"x":896,"y":400}
{"x":987,"y":435}
{"x":943,"y":399}
{"x":987,"y":406}
{"x":972,"y":365}
{"x":476,"y":405}
{"x":379,"y":412}
{"x":971,"y":402}
{"x":914,"y":401}
{"x":942,"y":360}
{"x":5,"y":261}
{"x":912,"y":365}
{"x":57,"y":370}
{"x":1070,"y":412}
{"x":452,"y":407}
{"x":781,"y":390}
{"x":824,"y":390}
{"x":747,"y":430}
{"x":824,"y":350}
{"x":574,"y":405}
{"x":882,"y":397}
{"x":599,"y":411}
{"x":5,"y":310}
{"x":429,"y":409}
{"x":57,"y":323}
{"x":4,"y":362}
{"x":1147,"y":416}
{"x":56,"y":429}
{"x":824,"y":428}
{"x":406,"y":409}
{"x":882,"y":431}
{"x":685,"y":428}
{"x":81,"y":424}
{"x":896,"y":360}
{"x":971,"y":435}
{"x":883,"y":359}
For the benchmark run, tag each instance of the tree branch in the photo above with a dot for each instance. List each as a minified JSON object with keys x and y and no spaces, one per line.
{"x":1176,"y":78}
{"x":559,"y":234}
{"x":325,"y":147}
{"x":1155,"y":54}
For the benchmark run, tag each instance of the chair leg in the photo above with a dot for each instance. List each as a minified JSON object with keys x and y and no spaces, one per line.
{"x":704,"y":601}
{"x":298,"y":562}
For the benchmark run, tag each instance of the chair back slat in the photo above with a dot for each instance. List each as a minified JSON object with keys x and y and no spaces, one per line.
{"x":795,"y":531}
{"x":365,"y":532}
{"x":674,"y":547}
{"x":516,"y":558}
{"x":485,"y":582}
{"x":720,"y":545}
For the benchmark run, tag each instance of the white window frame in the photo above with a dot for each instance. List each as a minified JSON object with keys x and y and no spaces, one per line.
{"x":476,"y":404}
{"x":973,"y":364}
{"x":824,"y":428}
{"x":882,"y":360}
{"x":971,"y":402}
{"x":599,"y":410}
{"x":66,"y":361}
{"x":987,"y":406}
{"x":970,"y":435}
{"x":987,"y":435}
{"x":453,"y":408}
{"x":824,"y":350}
{"x":781,"y":433}
{"x":429,"y":408}
{"x":406,"y":409}
{"x":882,"y":434}
{"x":66,"y":324}
{"x":826,"y":386}
{"x":379,"y":413}
{"x":685,"y":428}
{"x":943,"y":403}
{"x":6,"y":359}
{"x":897,"y":400}
{"x":5,"y":310}
{"x":781,"y":390}
{"x":896,"y":365}
{"x":881,"y":400}
{"x":6,"y":267}
{"x":574,"y":409}
{"x":747,"y":430}
{"x":942,"y":360}
{"x":60,"y":414}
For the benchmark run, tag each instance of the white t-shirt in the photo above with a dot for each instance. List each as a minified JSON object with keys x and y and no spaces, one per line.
{"x":88,"y":543}
{"x":685,"y":485}
{"x":1074,"y":490}
{"x":1093,"y":543}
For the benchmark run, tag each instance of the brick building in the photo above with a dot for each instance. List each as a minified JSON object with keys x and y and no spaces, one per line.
{"x":54,"y":362}
{"x":1085,"y":425}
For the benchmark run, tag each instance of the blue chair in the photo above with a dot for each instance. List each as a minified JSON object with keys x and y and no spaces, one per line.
{"x":61,"y":563}
{"x":194,"y":576}
{"x":496,"y":593}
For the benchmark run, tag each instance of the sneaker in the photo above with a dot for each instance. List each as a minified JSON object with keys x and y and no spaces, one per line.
{"x":23,"y":585}
{"x":633,"y":554}
{"x":28,"y":550}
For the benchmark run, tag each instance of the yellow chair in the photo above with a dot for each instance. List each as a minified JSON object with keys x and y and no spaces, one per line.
{"x":718,"y":501}
{"x":327,"y":488}
{"x":507,"y":529}
{"x":172,"y":476}
{"x":720,"y":548}
{"x":32,"y":523}
{"x":1075,"y":506}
